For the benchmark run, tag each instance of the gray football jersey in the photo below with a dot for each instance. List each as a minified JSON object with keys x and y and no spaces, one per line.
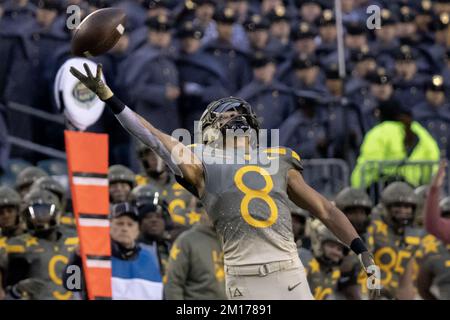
{"x":246,"y":198}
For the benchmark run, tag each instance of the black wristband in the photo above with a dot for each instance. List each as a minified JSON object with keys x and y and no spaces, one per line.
{"x":358,"y":246}
{"x":115,"y":104}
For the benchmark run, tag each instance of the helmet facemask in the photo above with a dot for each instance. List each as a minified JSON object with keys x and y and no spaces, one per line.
{"x":229,"y":116}
{"x":399,"y":223}
{"x":41,"y":218}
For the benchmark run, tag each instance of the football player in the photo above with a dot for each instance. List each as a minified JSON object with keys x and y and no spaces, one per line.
{"x":435,"y":263}
{"x":50,"y":184}
{"x":395,"y":240}
{"x":356,"y":205}
{"x":323,"y":267}
{"x":10,"y":222}
{"x":121,"y":181}
{"x":156,"y":174}
{"x":38,"y":257}
{"x":247,"y":205}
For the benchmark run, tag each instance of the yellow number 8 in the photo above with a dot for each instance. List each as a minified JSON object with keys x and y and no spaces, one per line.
{"x":251,"y":194}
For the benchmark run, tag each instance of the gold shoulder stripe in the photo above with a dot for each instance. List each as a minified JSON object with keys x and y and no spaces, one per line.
{"x":295,"y":155}
{"x":276,"y":150}
{"x":412,"y":240}
{"x":72,"y":241}
{"x":15,"y":248}
{"x":447,"y":264}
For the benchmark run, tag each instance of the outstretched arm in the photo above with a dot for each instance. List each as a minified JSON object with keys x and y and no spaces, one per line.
{"x":434,"y":223}
{"x":180,"y":159}
{"x":334,"y":219}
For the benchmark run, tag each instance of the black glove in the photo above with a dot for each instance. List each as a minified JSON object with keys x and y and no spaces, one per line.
{"x":373,"y":274}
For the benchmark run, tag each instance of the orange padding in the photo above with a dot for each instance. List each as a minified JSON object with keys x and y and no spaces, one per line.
{"x":90,"y":151}
{"x":95,"y":240}
{"x":89,"y":199}
{"x":97,"y":284}
{"x":87,"y":153}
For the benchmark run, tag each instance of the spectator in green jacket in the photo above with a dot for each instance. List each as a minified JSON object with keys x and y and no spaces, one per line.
{"x":398,"y":138}
{"x":195,"y":269}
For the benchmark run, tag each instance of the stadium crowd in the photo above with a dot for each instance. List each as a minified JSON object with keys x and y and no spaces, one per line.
{"x":281,"y":56}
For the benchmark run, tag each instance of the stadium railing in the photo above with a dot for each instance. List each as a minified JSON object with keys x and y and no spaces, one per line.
{"x":30,"y":145}
{"x":327,"y":176}
{"x":375,"y":175}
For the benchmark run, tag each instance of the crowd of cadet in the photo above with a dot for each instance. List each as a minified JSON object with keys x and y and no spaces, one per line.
{"x":164,"y":246}
{"x":281,"y":56}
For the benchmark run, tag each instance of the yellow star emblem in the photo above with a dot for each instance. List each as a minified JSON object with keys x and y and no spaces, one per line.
{"x":32,"y":241}
{"x":174,"y":252}
{"x":194,"y":217}
{"x":430,"y":244}
{"x":314,"y":266}
{"x":381,"y":227}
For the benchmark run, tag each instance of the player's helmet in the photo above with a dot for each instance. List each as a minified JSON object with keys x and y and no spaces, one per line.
{"x":28,"y":176}
{"x":50,"y":184}
{"x":444,"y":204}
{"x":145,"y":194}
{"x":398,"y":193}
{"x":41,"y":210}
{"x":214,"y":121}
{"x":9,"y":197}
{"x":148,"y":199}
{"x":352,"y":197}
{"x":120,"y":173}
{"x":320,"y":234}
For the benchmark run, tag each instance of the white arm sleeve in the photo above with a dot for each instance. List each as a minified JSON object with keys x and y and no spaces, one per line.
{"x":129,"y":120}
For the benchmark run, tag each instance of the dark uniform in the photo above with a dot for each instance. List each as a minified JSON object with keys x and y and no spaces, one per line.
{"x":325,"y":48}
{"x":149,"y":71}
{"x":201,"y":79}
{"x":293,"y":80}
{"x":255,"y":24}
{"x":233,"y":62}
{"x":392,"y":249}
{"x":273,"y":102}
{"x":344,"y":122}
{"x":323,"y":275}
{"x":435,"y":118}
{"x":305,"y":129}
{"x":435,"y":261}
{"x":44,"y":252}
{"x":410,"y":91}
{"x":176,"y":197}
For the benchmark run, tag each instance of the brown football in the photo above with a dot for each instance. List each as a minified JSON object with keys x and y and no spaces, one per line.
{"x":98,"y":32}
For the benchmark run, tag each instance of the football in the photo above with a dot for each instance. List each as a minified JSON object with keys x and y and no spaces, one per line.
{"x":98,"y":32}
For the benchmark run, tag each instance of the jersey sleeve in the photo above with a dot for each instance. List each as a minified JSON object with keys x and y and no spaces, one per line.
{"x":288,"y":156}
{"x":294,"y":160}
